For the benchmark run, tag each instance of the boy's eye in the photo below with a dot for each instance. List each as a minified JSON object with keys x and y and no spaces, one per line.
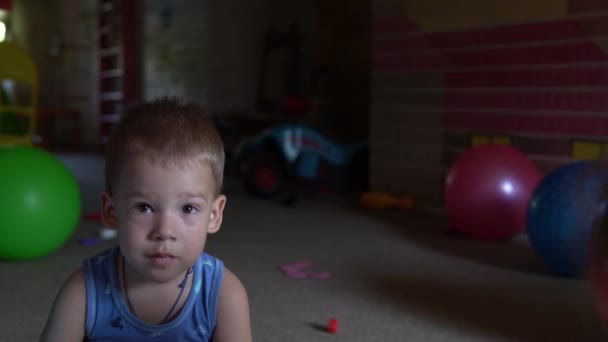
{"x":143,"y":208}
{"x":188,"y":209}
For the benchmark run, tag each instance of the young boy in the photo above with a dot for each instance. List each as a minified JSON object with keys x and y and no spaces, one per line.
{"x":164,"y":169}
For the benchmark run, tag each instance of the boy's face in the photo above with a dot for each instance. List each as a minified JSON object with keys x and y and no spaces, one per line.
{"x":163,"y":216}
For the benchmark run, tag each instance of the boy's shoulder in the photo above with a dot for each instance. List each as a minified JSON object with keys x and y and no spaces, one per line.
{"x":100,"y":262}
{"x":209,"y":260}
{"x":103,"y":255}
{"x":211,"y":270}
{"x":233,"y":321}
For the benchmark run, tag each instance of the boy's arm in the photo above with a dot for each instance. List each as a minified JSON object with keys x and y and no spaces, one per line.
{"x":233,"y":323}
{"x":67,"y":318}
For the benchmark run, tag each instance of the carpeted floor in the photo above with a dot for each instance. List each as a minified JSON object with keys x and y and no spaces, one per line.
{"x":395,"y":276}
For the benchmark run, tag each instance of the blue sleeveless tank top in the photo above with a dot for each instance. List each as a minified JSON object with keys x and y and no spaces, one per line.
{"x":108,"y":318}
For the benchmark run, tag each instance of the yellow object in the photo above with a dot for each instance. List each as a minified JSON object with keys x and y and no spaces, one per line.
{"x":584,"y":150}
{"x":501,"y":140}
{"x":383,"y":200}
{"x":478,"y":140}
{"x":18,"y":67}
{"x":605,"y":151}
{"x":2,"y":31}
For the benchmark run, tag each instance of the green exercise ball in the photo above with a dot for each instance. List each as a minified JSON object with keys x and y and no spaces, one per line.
{"x":39,"y":203}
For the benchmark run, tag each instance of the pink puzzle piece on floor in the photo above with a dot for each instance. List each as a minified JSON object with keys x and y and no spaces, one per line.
{"x":297,"y":271}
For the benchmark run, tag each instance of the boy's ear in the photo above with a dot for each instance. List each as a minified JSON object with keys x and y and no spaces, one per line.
{"x":216,"y":215}
{"x":108,"y":211}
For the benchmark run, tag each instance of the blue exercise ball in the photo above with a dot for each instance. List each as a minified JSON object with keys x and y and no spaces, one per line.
{"x":562,"y":213}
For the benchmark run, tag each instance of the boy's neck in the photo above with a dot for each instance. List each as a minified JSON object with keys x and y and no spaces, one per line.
{"x":136,"y":279}
{"x":150,"y":301}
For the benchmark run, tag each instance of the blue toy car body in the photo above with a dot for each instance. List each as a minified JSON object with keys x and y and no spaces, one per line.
{"x":297,"y":152}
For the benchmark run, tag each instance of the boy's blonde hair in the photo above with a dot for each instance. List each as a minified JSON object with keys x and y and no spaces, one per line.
{"x":166,"y":131}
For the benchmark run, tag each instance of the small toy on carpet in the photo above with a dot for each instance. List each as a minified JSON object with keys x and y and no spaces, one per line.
{"x":383,"y":200}
{"x":332,"y":326}
{"x":296,"y":271}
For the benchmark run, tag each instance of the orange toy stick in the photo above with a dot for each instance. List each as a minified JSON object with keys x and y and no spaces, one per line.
{"x":383,"y":200}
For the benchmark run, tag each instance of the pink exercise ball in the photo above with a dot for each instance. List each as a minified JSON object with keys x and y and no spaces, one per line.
{"x":487,"y":191}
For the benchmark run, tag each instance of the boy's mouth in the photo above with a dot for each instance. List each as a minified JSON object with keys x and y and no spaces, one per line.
{"x":161,"y":259}
{"x":162,"y":255}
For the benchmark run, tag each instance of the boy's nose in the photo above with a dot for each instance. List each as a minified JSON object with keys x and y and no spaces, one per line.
{"x":164,"y":229}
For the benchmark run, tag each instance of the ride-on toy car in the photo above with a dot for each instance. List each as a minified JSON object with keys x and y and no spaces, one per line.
{"x":288,"y":154}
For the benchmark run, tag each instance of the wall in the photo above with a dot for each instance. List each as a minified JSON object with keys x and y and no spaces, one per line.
{"x":174,"y":45}
{"x":343,"y":46}
{"x":61,"y":38}
{"x":212,"y":53}
{"x":237,"y":33}
{"x":208,"y":52}
{"x":451,"y":74}
{"x":175,"y":40}
{"x":335,"y":34}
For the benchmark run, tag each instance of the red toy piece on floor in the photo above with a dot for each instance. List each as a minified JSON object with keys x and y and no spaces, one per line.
{"x":332,"y":326}
{"x":96,"y":216}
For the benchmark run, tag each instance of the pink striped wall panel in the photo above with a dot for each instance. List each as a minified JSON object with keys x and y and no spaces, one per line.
{"x":544,"y":165}
{"x":526,"y":55}
{"x":561,"y":30}
{"x":541,"y":84}
{"x":523,"y":33}
{"x":509,"y":56}
{"x":421,"y":61}
{"x":584,"y":76}
{"x":537,"y":100}
{"x":566,"y":125}
{"x":537,"y":145}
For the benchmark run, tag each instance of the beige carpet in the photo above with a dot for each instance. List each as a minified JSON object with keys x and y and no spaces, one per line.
{"x":395,"y":276}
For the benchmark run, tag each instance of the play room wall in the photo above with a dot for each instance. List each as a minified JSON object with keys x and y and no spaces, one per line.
{"x":204,"y":51}
{"x":448,"y":75}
